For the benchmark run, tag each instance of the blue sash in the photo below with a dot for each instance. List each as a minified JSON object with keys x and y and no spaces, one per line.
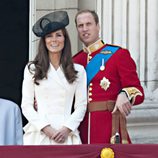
{"x":93,"y":67}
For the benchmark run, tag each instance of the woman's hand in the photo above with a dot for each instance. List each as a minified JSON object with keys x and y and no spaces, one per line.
{"x":61,"y":135}
{"x":49,"y":131}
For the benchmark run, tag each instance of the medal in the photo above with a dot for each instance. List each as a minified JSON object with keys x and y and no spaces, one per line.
{"x":105,"y":83}
{"x":102,"y":67}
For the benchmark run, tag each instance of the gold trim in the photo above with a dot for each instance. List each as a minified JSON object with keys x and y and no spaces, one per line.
{"x":93,"y":47}
{"x":106,"y":52}
{"x":132,"y":92}
{"x":107,"y":153}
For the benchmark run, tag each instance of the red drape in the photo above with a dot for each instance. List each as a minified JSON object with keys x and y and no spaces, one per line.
{"x":79,"y":151}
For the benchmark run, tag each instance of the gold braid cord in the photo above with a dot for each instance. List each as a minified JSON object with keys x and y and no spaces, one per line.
{"x":131,"y":93}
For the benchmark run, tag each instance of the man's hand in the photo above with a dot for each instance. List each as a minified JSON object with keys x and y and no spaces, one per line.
{"x":123,"y":104}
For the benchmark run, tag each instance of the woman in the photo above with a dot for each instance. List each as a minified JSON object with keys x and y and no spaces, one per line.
{"x":54,"y":81}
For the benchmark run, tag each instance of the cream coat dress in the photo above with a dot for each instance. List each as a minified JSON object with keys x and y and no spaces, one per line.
{"x":54,"y":97}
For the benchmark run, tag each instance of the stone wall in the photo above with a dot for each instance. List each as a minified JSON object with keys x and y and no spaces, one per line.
{"x":143,"y":123}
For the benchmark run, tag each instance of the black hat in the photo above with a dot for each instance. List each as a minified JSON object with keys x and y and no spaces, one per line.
{"x":50,"y":23}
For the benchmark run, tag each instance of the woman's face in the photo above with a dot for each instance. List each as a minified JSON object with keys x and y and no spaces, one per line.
{"x":55,"y":41}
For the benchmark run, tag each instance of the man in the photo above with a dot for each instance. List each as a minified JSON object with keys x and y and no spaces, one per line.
{"x":113,"y":84}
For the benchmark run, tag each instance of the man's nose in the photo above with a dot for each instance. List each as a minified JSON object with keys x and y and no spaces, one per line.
{"x":85,"y":27}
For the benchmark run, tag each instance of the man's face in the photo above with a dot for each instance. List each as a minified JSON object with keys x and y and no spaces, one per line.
{"x":87,"y":28}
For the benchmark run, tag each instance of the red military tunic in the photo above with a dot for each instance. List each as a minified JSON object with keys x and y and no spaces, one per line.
{"x":120,"y":71}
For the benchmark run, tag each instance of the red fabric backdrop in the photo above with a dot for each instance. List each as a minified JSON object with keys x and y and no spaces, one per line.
{"x":79,"y":151}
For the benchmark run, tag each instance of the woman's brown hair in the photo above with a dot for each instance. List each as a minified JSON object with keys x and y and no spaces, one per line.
{"x":42,"y":61}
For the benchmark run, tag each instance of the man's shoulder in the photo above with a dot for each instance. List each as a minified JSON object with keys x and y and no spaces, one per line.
{"x":113,"y":45}
{"x":110,"y":48}
{"x":80,"y":53}
{"x":80,"y":57}
{"x":121,"y":53}
{"x":119,"y":48}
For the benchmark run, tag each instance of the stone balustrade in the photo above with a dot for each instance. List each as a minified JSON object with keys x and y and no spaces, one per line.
{"x":143,"y":123}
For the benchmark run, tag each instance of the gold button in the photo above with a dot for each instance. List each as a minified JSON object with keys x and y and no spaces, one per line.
{"x":90,"y":99}
{"x":91,"y":84}
{"x":90,"y":94}
{"x":90,"y":88}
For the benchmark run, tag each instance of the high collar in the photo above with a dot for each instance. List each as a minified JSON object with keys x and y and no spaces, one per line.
{"x":93,"y":47}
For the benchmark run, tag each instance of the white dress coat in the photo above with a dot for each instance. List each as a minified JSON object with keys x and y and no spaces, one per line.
{"x":54,"y":97}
